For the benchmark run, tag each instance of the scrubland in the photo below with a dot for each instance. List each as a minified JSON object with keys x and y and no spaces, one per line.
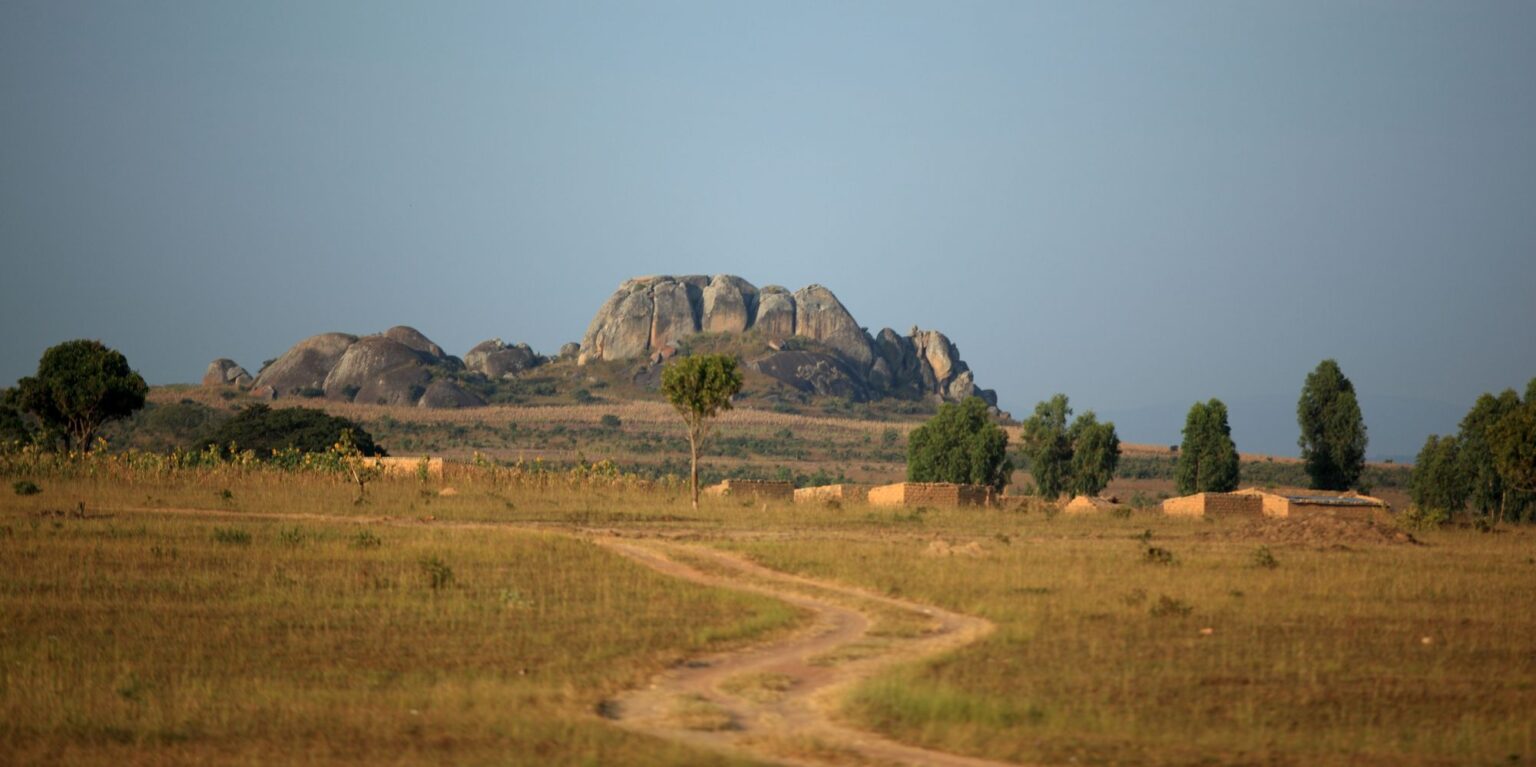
{"x":244,"y":615}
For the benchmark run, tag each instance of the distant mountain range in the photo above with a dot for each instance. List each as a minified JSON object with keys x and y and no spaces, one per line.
{"x":1396,"y":426}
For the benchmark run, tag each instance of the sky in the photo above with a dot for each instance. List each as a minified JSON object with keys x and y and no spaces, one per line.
{"x":1138,"y":204}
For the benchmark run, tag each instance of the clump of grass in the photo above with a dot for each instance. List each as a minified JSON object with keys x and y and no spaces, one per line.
{"x":1168,"y":607}
{"x":226,"y":495}
{"x":696,"y":712}
{"x":1157,"y":555}
{"x":762,"y":688}
{"x":26,"y":487}
{"x":231,"y":536}
{"x":1264,"y":559}
{"x":292,"y":536}
{"x":365,"y":539}
{"x":437,"y":572}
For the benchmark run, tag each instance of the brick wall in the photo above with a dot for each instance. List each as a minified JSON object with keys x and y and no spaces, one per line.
{"x":930,"y":494}
{"x":845,"y":493}
{"x":1214,"y":504}
{"x":762,"y":488}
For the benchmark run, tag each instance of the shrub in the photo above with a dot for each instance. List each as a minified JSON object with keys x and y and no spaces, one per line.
{"x":1156,"y":555}
{"x":365,"y":539}
{"x":1418,"y":518}
{"x":266,"y":430}
{"x":610,"y":421}
{"x":1168,"y":607}
{"x":231,"y":536}
{"x":436,"y":571}
{"x":26,"y":487}
{"x":1263,"y":558}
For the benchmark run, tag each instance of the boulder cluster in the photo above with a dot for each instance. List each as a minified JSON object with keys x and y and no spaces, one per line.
{"x":648,"y":317}
{"x":397,"y":367}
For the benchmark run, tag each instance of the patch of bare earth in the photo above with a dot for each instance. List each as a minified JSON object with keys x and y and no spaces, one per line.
{"x":778,"y":701}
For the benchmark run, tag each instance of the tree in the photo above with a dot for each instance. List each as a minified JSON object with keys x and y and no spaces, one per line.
{"x":1486,"y":489}
{"x":699,"y":388}
{"x":1081,"y":459}
{"x":1095,"y":454}
{"x":1332,"y":431}
{"x":13,"y":426}
{"x":264,"y":430}
{"x":1048,"y":448}
{"x":1208,"y":461}
{"x":960,"y":444}
{"x":1513,"y":444}
{"x":79,"y":386}
{"x":1439,"y":481}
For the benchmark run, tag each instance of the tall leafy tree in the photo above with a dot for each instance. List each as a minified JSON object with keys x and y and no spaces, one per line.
{"x":1439,"y":480}
{"x":1333,"y":435}
{"x":1208,"y":460}
{"x":699,"y":388}
{"x":79,"y":386}
{"x":960,"y":444}
{"x":1048,"y":447}
{"x":1095,"y":454}
{"x":1513,"y":443}
{"x":1487,"y":490}
{"x":13,"y":427}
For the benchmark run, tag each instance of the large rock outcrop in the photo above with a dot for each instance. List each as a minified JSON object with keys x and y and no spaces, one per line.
{"x":495,"y":359}
{"x":226,"y":372}
{"x":397,"y":367}
{"x":304,"y":367}
{"x":647,"y":317}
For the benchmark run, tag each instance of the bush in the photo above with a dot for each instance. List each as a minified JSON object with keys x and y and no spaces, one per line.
{"x":1419,"y":518}
{"x":1263,"y":558}
{"x":610,"y":421}
{"x":265,"y":430}
{"x":436,"y":571}
{"x":231,"y":536}
{"x":26,"y":487}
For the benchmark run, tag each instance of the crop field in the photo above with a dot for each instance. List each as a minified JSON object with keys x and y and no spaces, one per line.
{"x":244,"y":615}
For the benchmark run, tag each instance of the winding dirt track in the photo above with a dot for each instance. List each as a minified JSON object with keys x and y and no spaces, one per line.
{"x":720,"y":701}
{"x":712,"y":701}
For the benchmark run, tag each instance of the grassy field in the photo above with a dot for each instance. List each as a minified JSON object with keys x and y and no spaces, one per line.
{"x":303,"y":626}
{"x":190,"y":639}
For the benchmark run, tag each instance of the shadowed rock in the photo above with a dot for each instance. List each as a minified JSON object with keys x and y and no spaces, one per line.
{"x":819,"y":316}
{"x":494,"y":359}
{"x":378,"y":370}
{"x":448,"y":395}
{"x":775,"y":312}
{"x":306,"y":365}
{"x":225,"y":372}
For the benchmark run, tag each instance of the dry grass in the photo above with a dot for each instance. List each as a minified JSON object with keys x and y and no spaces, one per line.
{"x":1372,"y":654}
{"x":148,"y":639}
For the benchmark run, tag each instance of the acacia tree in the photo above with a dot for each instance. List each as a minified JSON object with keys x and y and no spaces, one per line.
{"x":699,"y":388}
{"x":1332,"y":431}
{"x":1208,"y":461}
{"x":79,"y":386}
{"x":960,"y":444}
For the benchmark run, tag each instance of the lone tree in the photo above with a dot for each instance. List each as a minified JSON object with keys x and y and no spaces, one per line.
{"x":1332,"y":432}
{"x":699,"y":388}
{"x":79,"y":386}
{"x":1080,"y":459}
{"x":960,"y":444}
{"x":1208,"y":461}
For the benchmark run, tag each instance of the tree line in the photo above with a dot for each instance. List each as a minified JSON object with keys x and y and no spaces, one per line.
{"x":1489,"y":464}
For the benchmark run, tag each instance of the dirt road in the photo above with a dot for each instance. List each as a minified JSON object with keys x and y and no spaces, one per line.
{"x":777,"y":701}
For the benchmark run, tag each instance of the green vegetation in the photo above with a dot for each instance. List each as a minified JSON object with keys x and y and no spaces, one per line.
{"x":1208,"y":461}
{"x":79,"y":386}
{"x":267,"y":431}
{"x":1079,"y":460}
{"x":1332,"y":430}
{"x":1490,"y":463}
{"x":700,"y":388}
{"x":961,"y":444}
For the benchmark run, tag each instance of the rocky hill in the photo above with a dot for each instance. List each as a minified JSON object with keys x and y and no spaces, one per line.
{"x":805,"y":343}
{"x":651,"y":317}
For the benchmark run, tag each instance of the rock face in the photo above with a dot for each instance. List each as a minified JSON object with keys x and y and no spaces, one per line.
{"x":397,"y":367}
{"x":647,"y":318}
{"x":378,"y":370}
{"x":225,"y":372}
{"x":306,"y":365}
{"x":494,"y":359}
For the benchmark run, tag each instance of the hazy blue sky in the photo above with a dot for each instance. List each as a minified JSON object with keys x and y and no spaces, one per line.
{"x":1139,"y":204}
